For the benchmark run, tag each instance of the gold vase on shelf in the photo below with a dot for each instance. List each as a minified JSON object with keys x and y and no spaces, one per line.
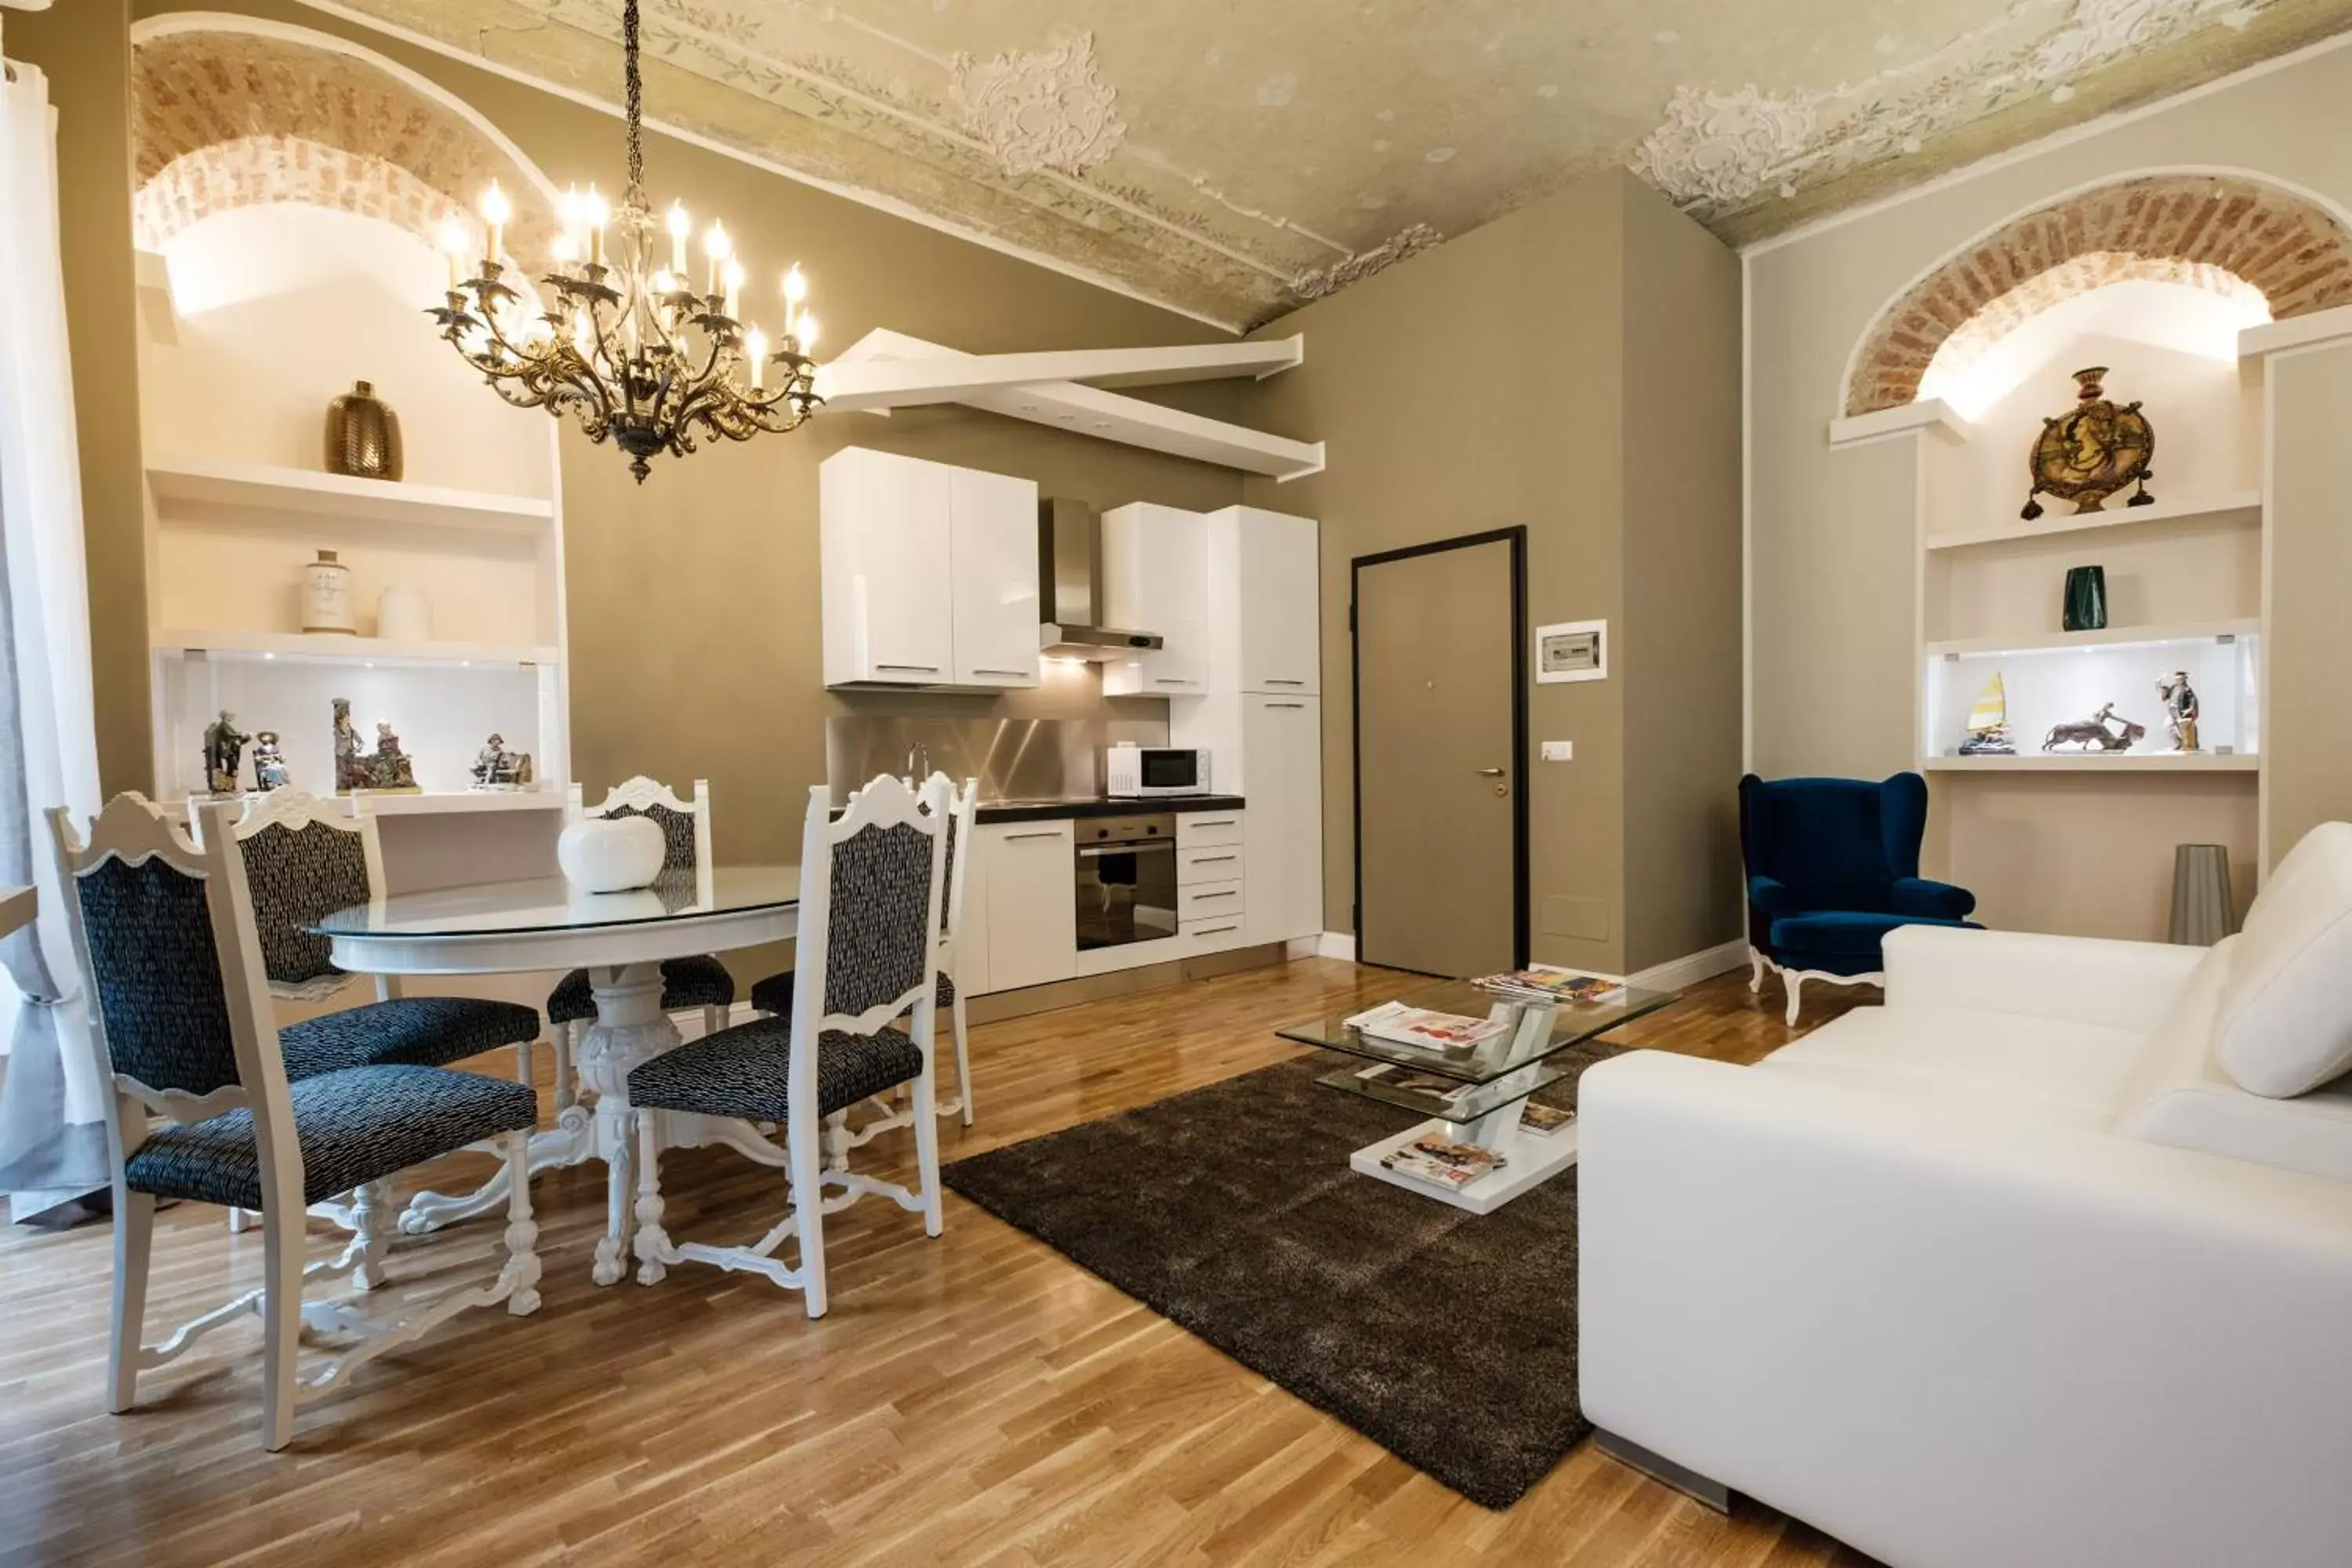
{"x":362,"y":436}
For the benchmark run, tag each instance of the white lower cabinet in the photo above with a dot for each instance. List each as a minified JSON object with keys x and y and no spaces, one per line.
{"x":1283,"y":852}
{"x":1031,"y":911}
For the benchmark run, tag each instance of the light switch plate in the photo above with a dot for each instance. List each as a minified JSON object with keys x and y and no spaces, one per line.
{"x":1559,"y":750}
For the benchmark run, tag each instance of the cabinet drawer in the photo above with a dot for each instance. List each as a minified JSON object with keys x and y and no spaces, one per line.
{"x":1207,"y":863}
{"x":1207,"y":828}
{"x":1203,"y":900}
{"x":1215,"y":933}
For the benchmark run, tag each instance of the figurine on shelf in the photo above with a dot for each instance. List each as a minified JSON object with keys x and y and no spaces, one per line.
{"x":2093,"y":734}
{"x":390,"y":768}
{"x":224,"y":749}
{"x":2180,"y":710}
{"x":495,"y":767}
{"x":351,"y":766}
{"x":1989,"y":723}
{"x":268,"y":763}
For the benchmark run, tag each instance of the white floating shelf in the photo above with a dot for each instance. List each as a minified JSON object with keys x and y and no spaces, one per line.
{"x":2098,"y":761}
{"x":301,"y":494}
{"x":432,"y":803}
{"x":2054,"y":527}
{"x":331,"y":648}
{"x":2107,"y":638}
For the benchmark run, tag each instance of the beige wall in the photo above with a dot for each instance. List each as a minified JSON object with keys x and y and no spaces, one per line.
{"x":1679,"y":645}
{"x":2308,"y":725}
{"x":1486,"y":384}
{"x":83,"y":46}
{"x":693,"y":598}
{"x":1832,"y":688}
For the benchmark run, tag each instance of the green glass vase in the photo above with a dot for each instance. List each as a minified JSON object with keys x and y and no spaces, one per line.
{"x":2087,"y":599}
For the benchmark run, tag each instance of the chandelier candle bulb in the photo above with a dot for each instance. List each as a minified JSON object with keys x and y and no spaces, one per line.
{"x":453,"y":246}
{"x":755,"y":349}
{"x":734,"y":275}
{"x":496,"y":211}
{"x":680,"y":227}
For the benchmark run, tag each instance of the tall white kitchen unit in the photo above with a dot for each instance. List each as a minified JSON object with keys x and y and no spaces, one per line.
{"x":1261,"y":718}
{"x":929,"y":574}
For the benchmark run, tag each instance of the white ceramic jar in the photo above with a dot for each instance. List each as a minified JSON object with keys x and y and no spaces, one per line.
{"x":403,"y":614}
{"x":327,"y":596}
{"x":610,"y":854}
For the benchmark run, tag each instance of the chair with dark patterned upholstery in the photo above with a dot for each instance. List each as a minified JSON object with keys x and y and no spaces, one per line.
{"x":303,"y":860}
{"x":181,"y":1027}
{"x":688,"y":983}
{"x":773,"y":995}
{"x":869,"y":946}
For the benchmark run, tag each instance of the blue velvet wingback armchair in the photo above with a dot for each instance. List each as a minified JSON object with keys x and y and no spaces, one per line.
{"x":1833,"y":866}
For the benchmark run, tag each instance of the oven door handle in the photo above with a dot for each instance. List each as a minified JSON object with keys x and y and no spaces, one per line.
{"x":1096,"y":851}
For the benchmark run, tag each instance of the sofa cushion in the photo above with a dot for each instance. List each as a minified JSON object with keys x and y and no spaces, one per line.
{"x":2071,"y":1073}
{"x":2285,"y":1017}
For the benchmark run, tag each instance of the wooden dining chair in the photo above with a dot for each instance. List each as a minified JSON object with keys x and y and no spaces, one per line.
{"x":773,"y":995}
{"x":181,"y":1027}
{"x":303,"y":859}
{"x":701,"y":982}
{"x":869,"y":922}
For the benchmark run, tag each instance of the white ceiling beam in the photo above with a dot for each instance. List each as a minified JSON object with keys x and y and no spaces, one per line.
{"x":904,"y":380}
{"x":865,"y":373}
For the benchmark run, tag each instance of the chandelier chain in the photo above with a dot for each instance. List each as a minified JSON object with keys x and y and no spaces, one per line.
{"x":633,"y":82}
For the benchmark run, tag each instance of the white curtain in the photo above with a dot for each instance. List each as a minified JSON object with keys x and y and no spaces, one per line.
{"x":52,"y":1128}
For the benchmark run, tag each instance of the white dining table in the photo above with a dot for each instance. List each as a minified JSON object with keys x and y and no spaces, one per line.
{"x":621,"y":940}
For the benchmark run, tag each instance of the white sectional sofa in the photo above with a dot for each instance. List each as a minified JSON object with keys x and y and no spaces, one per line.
{"x":2047,"y":1261}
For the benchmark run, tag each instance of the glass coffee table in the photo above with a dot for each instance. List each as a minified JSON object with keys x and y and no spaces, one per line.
{"x":1474,"y":1097}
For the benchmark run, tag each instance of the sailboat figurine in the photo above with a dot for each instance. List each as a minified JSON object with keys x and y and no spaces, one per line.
{"x":1989,"y":723}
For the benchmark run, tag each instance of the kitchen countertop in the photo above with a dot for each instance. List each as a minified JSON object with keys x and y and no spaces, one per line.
{"x":1097,"y":805}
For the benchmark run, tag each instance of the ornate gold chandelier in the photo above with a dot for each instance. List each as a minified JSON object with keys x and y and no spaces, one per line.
{"x":629,"y":349}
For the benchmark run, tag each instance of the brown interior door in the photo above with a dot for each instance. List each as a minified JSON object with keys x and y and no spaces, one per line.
{"x":1438,"y":761}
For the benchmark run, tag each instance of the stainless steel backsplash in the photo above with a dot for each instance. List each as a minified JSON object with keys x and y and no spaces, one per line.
{"x":1013,"y":759}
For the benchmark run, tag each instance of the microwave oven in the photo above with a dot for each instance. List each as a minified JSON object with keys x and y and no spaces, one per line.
{"x":1137,"y":773}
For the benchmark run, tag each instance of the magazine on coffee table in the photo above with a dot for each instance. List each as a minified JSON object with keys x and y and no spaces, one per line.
{"x":1548,"y":982}
{"x":1400,"y":1025}
{"x":1545,"y":1119}
{"x":1442,"y":1163}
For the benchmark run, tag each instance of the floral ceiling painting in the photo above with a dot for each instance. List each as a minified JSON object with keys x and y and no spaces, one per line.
{"x":1234,"y":158}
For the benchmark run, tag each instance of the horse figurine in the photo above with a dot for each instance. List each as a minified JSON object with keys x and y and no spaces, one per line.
{"x":2093,"y":733}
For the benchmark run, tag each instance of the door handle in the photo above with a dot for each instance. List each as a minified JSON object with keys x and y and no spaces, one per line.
{"x":1490,"y":772}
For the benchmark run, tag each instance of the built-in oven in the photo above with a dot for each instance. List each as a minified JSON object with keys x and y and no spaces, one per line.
{"x":1126,"y":871}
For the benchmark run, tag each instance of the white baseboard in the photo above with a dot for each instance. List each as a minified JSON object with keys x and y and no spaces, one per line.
{"x":1339,"y":944}
{"x":1693,"y":967}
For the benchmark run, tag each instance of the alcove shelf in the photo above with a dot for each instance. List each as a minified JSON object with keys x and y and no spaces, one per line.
{"x":267,"y":493}
{"x":2241,"y":505}
{"x":2132,"y":763}
{"x":326,"y":647}
{"x":2105,"y":638}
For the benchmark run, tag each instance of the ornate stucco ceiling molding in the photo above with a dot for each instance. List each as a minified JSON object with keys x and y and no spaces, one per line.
{"x":1040,"y":109}
{"x":1316,"y":282}
{"x":1717,"y":153}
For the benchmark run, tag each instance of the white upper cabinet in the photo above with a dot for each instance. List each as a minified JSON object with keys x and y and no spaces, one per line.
{"x":1155,"y":561}
{"x":1279,"y":606}
{"x":929,"y":574}
{"x":994,"y":566}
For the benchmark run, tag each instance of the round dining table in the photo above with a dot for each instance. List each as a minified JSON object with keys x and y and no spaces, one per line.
{"x":621,"y":940}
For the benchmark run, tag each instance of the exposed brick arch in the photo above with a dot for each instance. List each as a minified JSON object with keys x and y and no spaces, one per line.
{"x":227,"y":118}
{"x":2209,"y":231}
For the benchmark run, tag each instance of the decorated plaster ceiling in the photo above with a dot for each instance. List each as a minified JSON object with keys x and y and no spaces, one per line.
{"x":1233,"y":158}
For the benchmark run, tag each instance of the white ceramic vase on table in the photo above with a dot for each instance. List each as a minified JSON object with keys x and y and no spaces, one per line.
{"x":610,"y":854}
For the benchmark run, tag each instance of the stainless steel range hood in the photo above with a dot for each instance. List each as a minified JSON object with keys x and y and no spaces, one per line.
{"x":1070,"y":586}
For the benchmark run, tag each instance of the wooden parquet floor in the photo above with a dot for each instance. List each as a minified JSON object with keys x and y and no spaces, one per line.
{"x":977,"y":1399}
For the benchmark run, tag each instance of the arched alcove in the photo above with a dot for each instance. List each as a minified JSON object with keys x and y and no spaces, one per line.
{"x":2223,"y":232}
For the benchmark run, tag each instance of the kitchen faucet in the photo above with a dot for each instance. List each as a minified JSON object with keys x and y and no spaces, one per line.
{"x":918,"y":765}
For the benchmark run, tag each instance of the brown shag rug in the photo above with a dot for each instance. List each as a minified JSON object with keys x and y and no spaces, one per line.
{"x":1448,"y":1338}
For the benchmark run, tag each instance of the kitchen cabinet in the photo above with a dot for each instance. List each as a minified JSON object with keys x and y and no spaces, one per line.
{"x":1282,"y":737}
{"x":1032,"y":924}
{"x":1273,"y":607}
{"x":1155,"y":561}
{"x":992,"y":560}
{"x":929,"y":574}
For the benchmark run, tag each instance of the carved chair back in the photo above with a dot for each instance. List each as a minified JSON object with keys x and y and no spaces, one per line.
{"x":871,"y":887}
{"x":685,"y":824}
{"x":304,"y":859}
{"x":181,"y":1020}
{"x":962,"y":802}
